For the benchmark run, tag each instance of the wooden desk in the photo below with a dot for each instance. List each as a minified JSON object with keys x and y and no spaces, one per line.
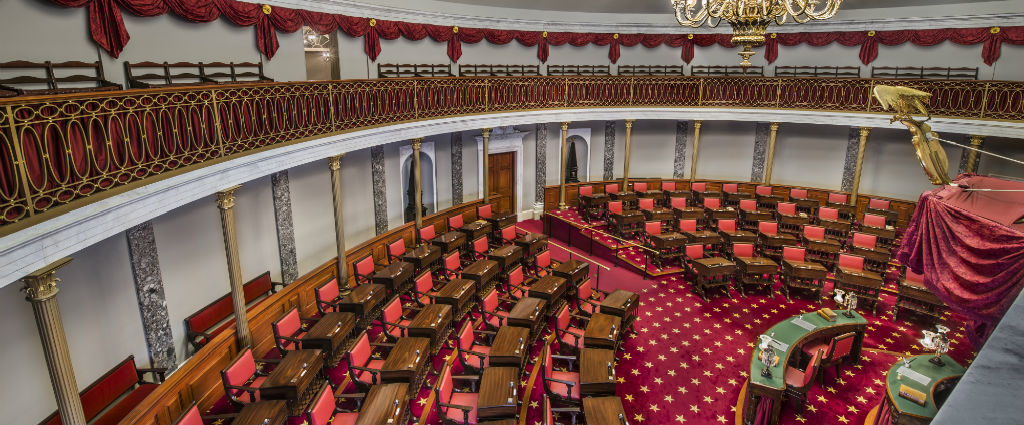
{"x":475,"y":229}
{"x":803,"y":275}
{"x":550,"y":288}
{"x":604,"y":411}
{"x":866,"y":284}
{"x":688,"y":213}
{"x":528,"y":313}
{"x":713,"y":272}
{"x":626,"y":223}
{"x":292,"y":380}
{"x":590,"y":206}
{"x":621,"y":303}
{"x":574,"y":271}
{"x":733,"y":199}
{"x":749,"y":219}
{"x":597,"y":372}
{"x":482,"y":272}
{"x":658,"y":214}
{"x":602,"y":331}
{"x":723,"y":213}
{"x":915,"y":297}
{"x":270,"y":412}
{"x":532,"y":243}
{"x":434,"y":322}
{"x":792,"y":224}
{"x":625,"y":197}
{"x":450,"y":241}
{"x":939,"y":380}
{"x":457,"y":293}
{"x":499,"y":222}
{"x":330,"y":334}
{"x":836,"y":229}
{"x":669,"y":240}
{"x":407,"y":362}
{"x":396,"y":277}
{"x":507,"y":257}
{"x":846,"y":211}
{"x":806,"y":206}
{"x":498,"y":397}
{"x":739,"y":236}
{"x":385,"y":404}
{"x":792,"y":335}
{"x":423,"y":257}
{"x":756,"y":271}
{"x":364,"y":301}
{"x":704,"y":237}
{"x":509,"y":347}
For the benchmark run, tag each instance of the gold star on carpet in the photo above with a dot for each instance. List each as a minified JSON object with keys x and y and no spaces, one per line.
{"x":719,"y":365}
{"x":644,"y":388}
{"x":640,"y":349}
{"x":657,"y":380}
{"x":877,"y":382}
{"x":655,"y":408}
{"x":681,"y":389}
{"x":671,"y":372}
{"x":831,"y":390}
{"x":534,"y":403}
{"x":812,"y":408}
{"x":852,"y":409}
{"x":732,"y":381}
{"x":861,"y":399}
{"x":638,"y":418}
{"x":680,"y":418}
{"x":629,"y":397}
{"x":719,"y":390}
{"x":635,"y":372}
{"x":843,"y":419}
{"x":626,"y":356}
{"x":870,"y":390}
{"x":693,"y":407}
{"x":721,"y":418}
{"x":708,"y":400}
{"x":668,"y":398}
{"x":422,"y":401}
{"x":822,"y":399}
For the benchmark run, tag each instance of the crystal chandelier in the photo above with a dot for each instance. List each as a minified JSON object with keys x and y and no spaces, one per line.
{"x":750,"y":18}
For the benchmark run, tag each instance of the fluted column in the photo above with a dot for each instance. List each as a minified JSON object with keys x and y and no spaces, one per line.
{"x":41,"y":290}
{"x":973,"y":156}
{"x":334,"y":164}
{"x":565,"y":153}
{"x":487,"y":164}
{"x":625,"y":166}
{"x":226,"y":204}
{"x":416,"y":144}
{"x":771,"y":153}
{"x":864,"y":132}
{"x":696,"y":149}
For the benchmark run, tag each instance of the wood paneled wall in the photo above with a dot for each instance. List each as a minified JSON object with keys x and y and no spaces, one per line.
{"x":903,"y":207}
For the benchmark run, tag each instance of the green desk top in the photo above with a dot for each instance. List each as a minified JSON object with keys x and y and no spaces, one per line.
{"x":790,"y":333}
{"x":921,"y":365}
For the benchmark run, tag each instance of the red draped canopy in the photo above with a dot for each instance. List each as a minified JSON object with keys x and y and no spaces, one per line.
{"x":107,"y":29}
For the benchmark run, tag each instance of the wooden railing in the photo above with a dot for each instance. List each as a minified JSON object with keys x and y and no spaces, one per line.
{"x":63,"y":151}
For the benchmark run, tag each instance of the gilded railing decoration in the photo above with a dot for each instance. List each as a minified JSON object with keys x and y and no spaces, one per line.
{"x":56,"y":152}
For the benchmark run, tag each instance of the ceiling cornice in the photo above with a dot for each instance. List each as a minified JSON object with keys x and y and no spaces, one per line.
{"x":354,"y":8}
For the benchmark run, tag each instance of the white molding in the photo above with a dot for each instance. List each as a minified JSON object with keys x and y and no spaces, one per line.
{"x":34,"y":247}
{"x":502,"y":140}
{"x":629,"y":22}
{"x":405,"y":151}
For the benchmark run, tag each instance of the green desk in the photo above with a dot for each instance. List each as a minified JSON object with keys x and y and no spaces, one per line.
{"x":794,"y":334}
{"x":903,"y":411}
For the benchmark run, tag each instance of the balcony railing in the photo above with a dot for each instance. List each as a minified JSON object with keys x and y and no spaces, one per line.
{"x":59,"y":152}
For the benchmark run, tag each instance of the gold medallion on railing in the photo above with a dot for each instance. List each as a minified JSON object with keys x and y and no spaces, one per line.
{"x":994,"y":30}
{"x":689,"y":36}
{"x":775,"y":35}
{"x":455,"y":30}
{"x":373,"y":22}
{"x":266,"y":9}
{"x":871,"y":33}
{"x":544,"y":34}
{"x":615,"y":36}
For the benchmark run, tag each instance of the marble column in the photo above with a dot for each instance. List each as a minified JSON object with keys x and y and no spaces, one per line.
{"x":334,"y":164}
{"x":679,"y":156}
{"x":757,"y":166}
{"x":771,"y":153}
{"x":487,"y":163}
{"x":850,"y":163}
{"x":457,"y":168}
{"x":280,"y":189}
{"x":969,"y":159}
{"x":149,"y":289}
{"x":609,"y":150}
{"x":625,"y":160}
{"x":226,"y":204}
{"x":41,"y":290}
{"x":864,"y":132}
{"x":380,"y":197}
{"x":542,"y":167}
{"x":417,"y":172}
{"x":696,"y":149}
{"x":565,"y":152}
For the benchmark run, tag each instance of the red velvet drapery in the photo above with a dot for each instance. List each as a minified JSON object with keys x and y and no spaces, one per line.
{"x":107,"y":29}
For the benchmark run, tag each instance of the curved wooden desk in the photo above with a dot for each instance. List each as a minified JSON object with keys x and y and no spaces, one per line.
{"x":906,"y":412}
{"x":794,"y":335}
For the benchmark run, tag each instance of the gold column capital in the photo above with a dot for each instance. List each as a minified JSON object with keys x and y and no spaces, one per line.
{"x":41,"y":284}
{"x":977,"y":140}
{"x":226,"y":197}
{"x":698,"y":123}
{"x":334,"y":162}
{"x":417,"y":143}
{"x":864,"y":131}
{"x":486,"y":132}
{"x":565,"y":125}
{"x":774,"y":126}
{"x":629,"y":123}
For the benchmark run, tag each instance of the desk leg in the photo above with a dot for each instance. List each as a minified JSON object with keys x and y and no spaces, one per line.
{"x":858,"y":342}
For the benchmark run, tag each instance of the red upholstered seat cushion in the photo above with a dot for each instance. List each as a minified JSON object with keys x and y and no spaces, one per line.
{"x":559,"y":388}
{"x":768,"y":227}
{"x":652,"y":227}
{"x":120,"y":410}
{"x":864,"y":240}
{"x":851,"y":262}
{"x":878,"y":204}
{"x":463,"y":399}
{"x":728,"y":226}
{"x":397,"y":248}
{"x":365,"y":266}
{"x":475,"y":360}
{"x":793,"y":254}
{"x":874,"y":220}
{"x":794,"y":377}
{"x":104,"y":392}
{"x":787,"y":208}
{"x":828,"y":213}
{"x":494,"y":321}
{"x":455,"y":222}
{"x":695,"y":251}
{"x":323,"y":408}
{"x":615,"y":207}
{"x":587,"y":308}
{"x":367,"y":377}
{"x":344,"y":418}
{"x":191,"y":417}
{"x":289,"y":345}
{"x":814,"y":232}
{"x":813,"y":347}
{"x":569,"y":339}
{"x":687,"y":225}
{"x":743,"y":250}
{"x":427,"y":233}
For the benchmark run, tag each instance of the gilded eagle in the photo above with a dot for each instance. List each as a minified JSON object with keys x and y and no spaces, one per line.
{"x":905,"y":102}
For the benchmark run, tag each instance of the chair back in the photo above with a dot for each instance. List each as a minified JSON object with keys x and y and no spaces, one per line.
{"x":480,"y":245}
{"x":425,"y":282}
{"x":815,"y":233}
{"x":873,"y":220}
{"x":584,"y":289}
{"x":748,"y":205}
{"x":586,"y":190}
{"x":864,"y":240}
{"x":393,"y":312}
{"x":490,"y":302}
{"x":192,"y":417}
{"x":768,"y":227}
{"x":798,"y":194}
{"x":787,"y":208}
{"x":452,"y":262}
{"x":611,"y":188}
{"x":677,"y":202}
{"x":484,"y":211}
{"x":549,"y":417}
{"x":652,"y":227}
{"x":851,"y":261}
{"x":427,"y":233}
{"x":914,"y":277}
{"x":837,"y":198}
{"x":793,"y":253}
{"x":455,"y":222}
{"x":695,"y":251}
{"x":727,"y":225}
{"x":841,"y":346}
{"x":544,"y":258}
{"x":365,"y":266}
{"x":466,"y":335}
{"x":826,"y":213}
{"x":669,"y":186}
{"x":327,"y":292}
{"x":699,"y":187}
{"x":878,"y":204}
{"x":515,"y":276}
{"x":640,"y":186}
{"x":713,"y":203}
{"x":322,"y":411}
{"x":730,"y":188}
{"x":743,"y":250}
{"x":509,"y":233}
{"x":763,"y":190}
{"x":812,"y":369}
{"x":239,"y":372}
{"x":547,"y":367}
{"x":359,"y":354}
{"x":444,"y":388}
{"x":646,"y":203}
{"x":289,"y":325}
{"x":688,"y":225}
{"x":615,"y":207}
{"x":396,"y":248}
{"x":562,"y":320}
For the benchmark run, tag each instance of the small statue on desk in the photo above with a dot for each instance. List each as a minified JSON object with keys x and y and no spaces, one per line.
{"x":937,"y":341}
{"x":767,"y":356}
{"x":848,"y":300}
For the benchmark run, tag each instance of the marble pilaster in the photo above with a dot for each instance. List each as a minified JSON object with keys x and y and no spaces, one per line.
{"x":457,"y":168}
{"x":149,"y":289}
{"x":380,"y":200}
{"x":761,"y":133}
{"x":279,"y":188}
{"x":542,"y":165}
{"x":609,"y":150}
{"x":850,"y":164}
{"x":679,"y":156}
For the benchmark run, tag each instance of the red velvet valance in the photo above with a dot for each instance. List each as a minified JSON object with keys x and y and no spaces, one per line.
{"x":107,"y":29}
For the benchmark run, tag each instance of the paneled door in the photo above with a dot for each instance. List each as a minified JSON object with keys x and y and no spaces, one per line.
{"x":502,"y":180}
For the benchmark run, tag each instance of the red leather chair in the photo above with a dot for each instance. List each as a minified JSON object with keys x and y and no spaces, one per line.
{"x":871,"y":220}
{"x":508,"y":235}
{"x":789,"y":218}
{"x":517,"y":286}
{"x":681,"y":212}
{"x":569,"y":337}
{"x":838,"y":198}
{"x":651,"y":228}
{"x":396,"y":250}
{"x":692,"y":252}
{"x":472,"y":356}
{"x":560,"y":385}
{"x":393,"y":322}
{"x":325,"y":410}
{"x":731,"y":195}
{"x":423,"y":289}
{"x":820,"y":249}
{"x":493,"y":317}
{"x":878,"y":204}
{"x":588,"y":298}
{"x":789,"y":281}
{"x":750,"y":214}
{"x":327,"y":296}
{"x":242,"y":379}
{"x":852,"y":276}
{"x":542,"y":264}
{"x":766,"y":198}
{"x":363,"y":367}
{"x":836,"y":350}
{"x":611,"y":188}
{"x":480,"y":248}
{"x":484,"y":211}
{"x":865,"y":245}
{"x":835,"y":227}
{"x":426,"y":233}
{"x":640,"y":187}
{"x":798,"y":382}
{"x":455,"y":222}
{"x":288,"y":331}
{"x":586,"y":190}
{"x":452,"y":266}
{"x":770,"y":241}
{"x":454,"y":408}
{"x":364,"y":269}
